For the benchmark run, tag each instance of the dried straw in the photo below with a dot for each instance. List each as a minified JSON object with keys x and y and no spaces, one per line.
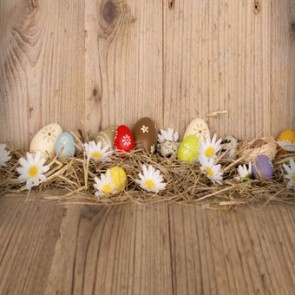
{"x":72,"y":181}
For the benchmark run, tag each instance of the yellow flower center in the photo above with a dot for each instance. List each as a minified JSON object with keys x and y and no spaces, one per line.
{"x":210,"y":151}
{"x":96,"y":155}
{"x":209,"y":171}
{"x":293,"y":177}
{"x":150,"y":184}
{"x":107,"y":188}
{"x":33,"y":171}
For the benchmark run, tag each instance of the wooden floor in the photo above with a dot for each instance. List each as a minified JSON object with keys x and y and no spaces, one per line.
{"x":49,"y":248}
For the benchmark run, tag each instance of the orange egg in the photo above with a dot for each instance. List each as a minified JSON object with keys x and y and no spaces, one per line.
{"x":287,"y":135}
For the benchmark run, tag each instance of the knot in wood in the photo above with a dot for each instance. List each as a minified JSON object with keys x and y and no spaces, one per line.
{"x":109,"y":12}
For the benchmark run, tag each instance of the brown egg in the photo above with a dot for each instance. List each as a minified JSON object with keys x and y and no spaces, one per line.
{"x":145,"y":135}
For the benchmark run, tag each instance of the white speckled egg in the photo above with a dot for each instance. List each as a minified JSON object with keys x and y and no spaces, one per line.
{"x":199,"y":128}
{"x":65,"y":145}
{"x":45,"y":139}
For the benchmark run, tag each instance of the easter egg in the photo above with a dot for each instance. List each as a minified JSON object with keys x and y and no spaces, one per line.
{"x":119,"y":177}
{"x":188,"y":150}
{"x":262,"y":168}
{"x":286,"y":140}
{"x":45,"y":139}
{"x":199,"y":128}
{"x":106,"y":136}
{"x":145,"y":135}
{"x":123,"y":140}
{"x":168,"y":148}
{"x":65,"y":145}
{"x":229,"y":147}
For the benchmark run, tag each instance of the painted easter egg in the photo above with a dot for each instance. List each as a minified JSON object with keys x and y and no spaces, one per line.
{"x":106,"y":136}
{"x":262,"y":168}
{"x":65,"y":145}
{"x":168,"y":148}
{"x":229,"y":146}
{"x":145,"y":135}
{"x":119,"y":177}
{"x":45,"y":139}
{"x":286,"y":140}
{"x":188,"y":150}
{"x":199,"y":128}
{"x":123,"y":140}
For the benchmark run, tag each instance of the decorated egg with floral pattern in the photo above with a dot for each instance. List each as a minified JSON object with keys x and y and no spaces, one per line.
{"x":45,"y":139}
{"x":145,"y":135}
{"x":199,"y":128}
{"x":123,"y":140}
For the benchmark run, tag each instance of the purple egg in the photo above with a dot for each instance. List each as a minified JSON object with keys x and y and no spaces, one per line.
{"x":262,"y":168}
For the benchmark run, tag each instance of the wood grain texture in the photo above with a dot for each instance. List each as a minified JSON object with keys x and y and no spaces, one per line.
{"x":41,"y":66}
{"x":28,"y":235}
{"x":154,"y":249}
{"x":123,"y":62}
{"x":89,"y":64}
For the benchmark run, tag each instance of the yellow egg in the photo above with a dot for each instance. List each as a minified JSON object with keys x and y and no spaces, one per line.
{"x":119,"y":177}
{"x":287,"y":135}
{"x":188,"y":150}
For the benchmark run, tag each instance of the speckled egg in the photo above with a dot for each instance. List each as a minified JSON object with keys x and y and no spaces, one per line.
{"x":106,"y":136}
{"x":229,"y":147}
{"x":65,"y":145}
{"x":123,"y":140}
{"x":145,"y":135}
{"x":199,"y":128}
{"x":168,"y":148}
{"x":188,"y":150}
{"x":262,"y":168}
{"x":45,"y":139}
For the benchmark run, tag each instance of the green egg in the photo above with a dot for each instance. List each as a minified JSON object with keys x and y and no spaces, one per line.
{"x":188,"y":150}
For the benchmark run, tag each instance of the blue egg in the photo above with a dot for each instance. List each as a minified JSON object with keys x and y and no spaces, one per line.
{"x":65,"y":145}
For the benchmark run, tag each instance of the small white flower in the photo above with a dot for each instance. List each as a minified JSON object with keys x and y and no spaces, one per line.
{"x":151,"y":179}
{"x":126,"y":140}
{"x":168,"y":134}
{"x":209,"y":148}
{"x":290,"y":174}
{"x":32,"y":170}
{"x":144,"y":129}
{"x":4,"y":155}
{"x":104,"y":185}
{"x":212,"y":171}
{"x":96,"y":152}
{"x":245,"y":172}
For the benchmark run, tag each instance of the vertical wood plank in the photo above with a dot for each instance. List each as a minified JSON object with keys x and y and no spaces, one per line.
{"x":41,"y":67}
{"x":282,"y":66}
{"x":123,"y":62}
{"x":217,"y":57}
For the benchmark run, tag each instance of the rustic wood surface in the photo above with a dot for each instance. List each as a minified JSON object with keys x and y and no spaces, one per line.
{"x":88,"y":64}
{"x":49,"y":248}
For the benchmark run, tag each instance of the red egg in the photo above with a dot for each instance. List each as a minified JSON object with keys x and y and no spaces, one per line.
{"x":124,"y":140}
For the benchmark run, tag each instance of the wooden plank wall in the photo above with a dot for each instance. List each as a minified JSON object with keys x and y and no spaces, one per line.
{"x":88,"y":64}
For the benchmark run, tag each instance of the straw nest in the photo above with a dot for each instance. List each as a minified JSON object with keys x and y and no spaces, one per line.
{"x":72,"y":181}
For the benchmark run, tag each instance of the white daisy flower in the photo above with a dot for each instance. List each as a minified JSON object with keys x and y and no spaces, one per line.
{"x":32,"y":170}
{"x":4,"y":155}
{"x":212,"y":171}
{"x":168,"y":134}
{"x":290,"y":174}
{"x":151,"y":179}
{"x":245,"y":172}
{"x":96,"y":152}
{"x":104,"y":185}
{"x":209,"y":148}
